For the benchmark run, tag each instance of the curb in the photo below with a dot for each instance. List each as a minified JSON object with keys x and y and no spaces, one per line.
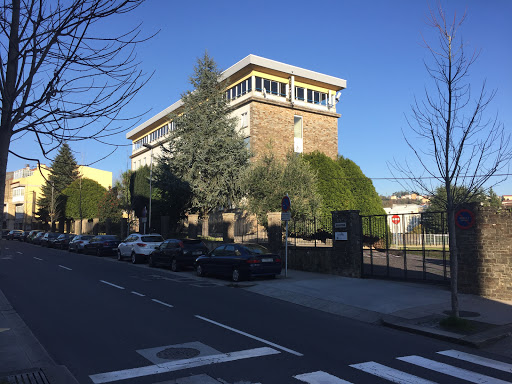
{"x":477,"y":340}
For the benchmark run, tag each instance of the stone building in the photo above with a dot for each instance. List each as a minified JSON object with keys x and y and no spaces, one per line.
{"x":289,"y":107}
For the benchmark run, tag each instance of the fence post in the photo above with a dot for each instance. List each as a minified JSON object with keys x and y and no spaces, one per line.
{"x":275,"y":233}
{"x":387,"y":244}
{"x":193,"y":220}
{"x":228,"y":227}
{"x":423,"y":247}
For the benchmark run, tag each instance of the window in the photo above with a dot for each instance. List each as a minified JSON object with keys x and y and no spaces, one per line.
{"x":299,"y":93}
{"x":20,"y":208}
{"x":18,"y":192}
{"x":258,"y":84}
{"x":243,"y":120}
{"x":297,"y":127}
{"x":247,"y":141}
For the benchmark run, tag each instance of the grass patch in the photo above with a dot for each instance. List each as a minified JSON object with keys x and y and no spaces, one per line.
{"x":457,"y":324}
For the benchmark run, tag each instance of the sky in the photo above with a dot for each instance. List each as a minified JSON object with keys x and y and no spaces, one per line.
{"x":375,"y":45}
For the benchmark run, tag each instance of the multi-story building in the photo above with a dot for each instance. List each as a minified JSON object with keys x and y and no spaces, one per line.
{"x":23,"y":189}
{"x":291,"y":108}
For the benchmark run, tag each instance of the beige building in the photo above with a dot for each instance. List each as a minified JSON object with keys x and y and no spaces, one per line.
{"x":289,"y":107}
{"x":23,"y":189}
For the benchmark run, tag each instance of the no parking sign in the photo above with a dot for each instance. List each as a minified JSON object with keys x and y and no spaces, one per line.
{"x":464,"y":219}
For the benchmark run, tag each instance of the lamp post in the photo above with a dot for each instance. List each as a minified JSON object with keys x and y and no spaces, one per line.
{"x":150,"y":182}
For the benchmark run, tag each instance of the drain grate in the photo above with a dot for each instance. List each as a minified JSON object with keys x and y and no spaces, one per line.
{"x":178,"y":353}
{"x":31,"y":377}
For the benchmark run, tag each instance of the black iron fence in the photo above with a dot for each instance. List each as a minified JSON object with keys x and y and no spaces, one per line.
{"x":412,"y":246}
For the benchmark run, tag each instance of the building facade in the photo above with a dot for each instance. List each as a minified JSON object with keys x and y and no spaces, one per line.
{"x":278,"y":106}
{"x":23,"y":189}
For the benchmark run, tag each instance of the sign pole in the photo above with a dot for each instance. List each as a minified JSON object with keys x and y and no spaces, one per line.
{"x":286,"y":215}
{"x":286,"y":252}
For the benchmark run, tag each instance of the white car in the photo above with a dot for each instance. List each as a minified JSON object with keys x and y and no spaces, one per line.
{"x":138,"y":247}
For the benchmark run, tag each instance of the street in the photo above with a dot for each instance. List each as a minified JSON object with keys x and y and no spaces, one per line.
{"x":108,"y":321}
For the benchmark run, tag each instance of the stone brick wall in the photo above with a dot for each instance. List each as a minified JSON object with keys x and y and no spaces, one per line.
{"x":485,"y":254}
{"x":272,"y":123}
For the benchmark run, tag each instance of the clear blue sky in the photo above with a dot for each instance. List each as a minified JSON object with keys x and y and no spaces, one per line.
{"x":375,"y":45}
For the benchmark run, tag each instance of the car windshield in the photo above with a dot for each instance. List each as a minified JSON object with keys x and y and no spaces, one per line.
{"x":152,"y":239}
{"x":256,"y":249}
{"x":86,"y":237}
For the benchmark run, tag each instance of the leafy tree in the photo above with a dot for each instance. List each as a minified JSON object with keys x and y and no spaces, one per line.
{"x":139,"y":190}
{"x":109,"y":206}
{"x":366,"y":199}
{"x":269,"y":179}
{"x":59,"y":78}
{"x":459,"y":194}
{"x":64,"y":170}
{"x":82,"y":197}
{"x":333,"y":185}
{"x":205,"y":150}
{"x":493,"y":200}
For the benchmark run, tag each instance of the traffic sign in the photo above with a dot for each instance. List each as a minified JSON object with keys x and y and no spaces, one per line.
{"x":464,"y":219}
{"x":286,"y":216}
{"x":395,"y":219}
{"x":285,"y":204}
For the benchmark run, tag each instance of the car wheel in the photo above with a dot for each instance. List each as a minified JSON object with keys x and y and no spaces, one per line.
{"x":235,"y":275}
{"x":134,"y":258}
{"x":174,"y":265}
{"x":151,"y":262}
{"x":98,"y":252}
{"x":119,"y":256}
{"x":200,"y":271}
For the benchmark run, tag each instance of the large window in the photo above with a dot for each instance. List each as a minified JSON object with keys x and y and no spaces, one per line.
{"x":297,"y":134}
{"x":271,"y":86}
{"x":239,"y":89}
{"x":316,"y":97}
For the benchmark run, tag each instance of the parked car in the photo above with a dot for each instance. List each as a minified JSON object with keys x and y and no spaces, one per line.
{"x":138,"y":247}
{"x":78,"y":243}
{"x":24,"y":236}
{"x":47,"y":238}
{"x":37,"y":238}
{"x":32,"y":234}
{"x":239,"y":261}
{"x":102,"y":244}
{"x":15,"y":234}
{"x":177,"y":254}
{"x":62,"y":242}
{"x":5,"y":232}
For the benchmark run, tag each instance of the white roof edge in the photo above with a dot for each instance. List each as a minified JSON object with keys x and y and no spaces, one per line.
{"x":256,"y":60}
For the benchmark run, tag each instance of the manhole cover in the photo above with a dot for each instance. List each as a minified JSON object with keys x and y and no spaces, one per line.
{"x":177,"y":353}
{"x":463,"y":313}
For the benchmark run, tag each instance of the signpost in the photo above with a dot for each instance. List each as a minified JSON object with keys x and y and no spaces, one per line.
{"x":286,"y":216}
{"x":395,"y":219}
{"x":464,"y":219}
{"x":144,"y":218}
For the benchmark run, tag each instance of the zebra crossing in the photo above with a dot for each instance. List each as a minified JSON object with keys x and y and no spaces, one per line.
{"x":381,"y":371}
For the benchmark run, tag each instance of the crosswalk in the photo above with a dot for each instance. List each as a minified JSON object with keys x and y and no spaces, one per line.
{"x":470,"y":374}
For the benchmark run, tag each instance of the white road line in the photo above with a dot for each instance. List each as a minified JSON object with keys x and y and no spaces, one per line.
{"x":505,"y":367}
{"x":320,"y":377}
{"x":37,"y":258}
{"x":446,"y":369}
{"x":138,"y":294}
{"x":161,"y":302}
{"x":251,"y":336}
{"x":180,"y":364}
{"x":69,"y":269}
{"x":113,"y":285}
{"x":391,"y":374}
{"x":19,"y":253}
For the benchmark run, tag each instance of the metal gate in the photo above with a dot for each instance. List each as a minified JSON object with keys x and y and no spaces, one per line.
{"x":409,"y":246}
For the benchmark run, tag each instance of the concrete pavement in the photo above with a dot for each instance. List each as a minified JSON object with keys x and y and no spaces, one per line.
{"x":410,"y":306}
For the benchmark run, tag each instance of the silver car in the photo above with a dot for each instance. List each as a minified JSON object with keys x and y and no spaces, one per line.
{"x":78,"y":243}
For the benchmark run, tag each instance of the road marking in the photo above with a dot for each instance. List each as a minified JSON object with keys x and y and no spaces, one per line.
{"x":113,"y":285}
{"x":4,"y":329}
{"x":320,"y":377}
{"x":37,"y":258}
{"x":499,"y":365}
{"x":138,"y":294}
{"x":19,"y":253}
{"x":391,"y":374}
{"x":161,"y":302}
{"x":459,"y":373}
{"x":251,"y":336}
{"x":69,"y":269}
{"x":180,"y":364}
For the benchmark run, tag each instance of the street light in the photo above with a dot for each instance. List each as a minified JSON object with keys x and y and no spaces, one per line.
{"x":150,"y":183}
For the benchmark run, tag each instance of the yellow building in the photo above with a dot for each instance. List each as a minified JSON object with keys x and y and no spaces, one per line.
{"x":293,"y":108}
{"x":23,"y":189}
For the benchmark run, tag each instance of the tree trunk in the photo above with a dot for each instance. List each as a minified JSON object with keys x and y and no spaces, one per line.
{"x":454,"y":263}
{"x":5,"y":139}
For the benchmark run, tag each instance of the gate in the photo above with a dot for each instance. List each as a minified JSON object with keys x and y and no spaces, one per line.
{"x":408,"y":246}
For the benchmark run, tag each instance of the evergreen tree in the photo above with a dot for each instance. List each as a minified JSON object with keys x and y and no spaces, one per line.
{"x":82,"y":197}
{"x":205,"y":150}
{"x":64,"y":170}
{"x":366,"y":199}
{"x":493,"y":200}
{"x":109,"y":206}
{"x":139,"y":190}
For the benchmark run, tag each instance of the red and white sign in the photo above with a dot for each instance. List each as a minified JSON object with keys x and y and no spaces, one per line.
{"x":395,"y":219}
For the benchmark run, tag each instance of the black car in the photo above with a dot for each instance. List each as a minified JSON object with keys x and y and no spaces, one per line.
{"x":32,"y":234}
{"x":37,"y":238}
{"x":48,"y":238}
{"x":62,"y":242}
{"x":239,"y":261}
{"x":15,"y":234}
{"x":177,"y":254}
{"x":102,"y":244}
{"x":24,"y":236}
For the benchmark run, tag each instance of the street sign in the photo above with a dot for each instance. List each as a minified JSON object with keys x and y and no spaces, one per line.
{"x":285,"y":204}
{"x":464,"y":219}
{"x":395,"y":219}
{"x":286,"y":216}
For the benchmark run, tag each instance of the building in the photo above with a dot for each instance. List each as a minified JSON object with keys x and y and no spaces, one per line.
{"x":290,"y":107}
{"x":23,"y":189}
{"x":506,"y":201}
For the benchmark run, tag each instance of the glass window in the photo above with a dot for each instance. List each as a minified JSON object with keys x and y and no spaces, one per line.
{"x":244,"y":87}
{"x":297,"y":127}
{"x":299,"y":93}
{"x":247,"y":141}
{"x":249,"y":85}
{"x":274,"y":87}
{"x":316,"y":97}
{"x":258,"y":84}
{"x":266,"y":85}
{"x":310,"y":96}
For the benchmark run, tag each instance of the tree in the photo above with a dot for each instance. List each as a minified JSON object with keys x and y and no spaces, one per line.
{"x":139,"y":190}
{"x":269,"y":179}
{"x":122,"y":186}
{"x":459,"y":146}
{"x":493,"y":200}
{"x":205,"y":150}
{"x":58,"y":80}
{"x":109,"y":207}
{"x":82,"y":197}
{"x":63,"y":171}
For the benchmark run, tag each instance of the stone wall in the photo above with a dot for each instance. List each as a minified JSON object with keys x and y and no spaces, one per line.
{"x":272,"y":124}
{"x":485,"y":254}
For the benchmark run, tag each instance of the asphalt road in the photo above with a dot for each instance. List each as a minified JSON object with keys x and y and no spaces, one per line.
{"x":98,"y":316}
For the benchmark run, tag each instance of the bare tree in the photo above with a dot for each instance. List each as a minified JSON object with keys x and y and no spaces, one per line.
{"x":457,"y":145}
{"x":59,"y":81}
